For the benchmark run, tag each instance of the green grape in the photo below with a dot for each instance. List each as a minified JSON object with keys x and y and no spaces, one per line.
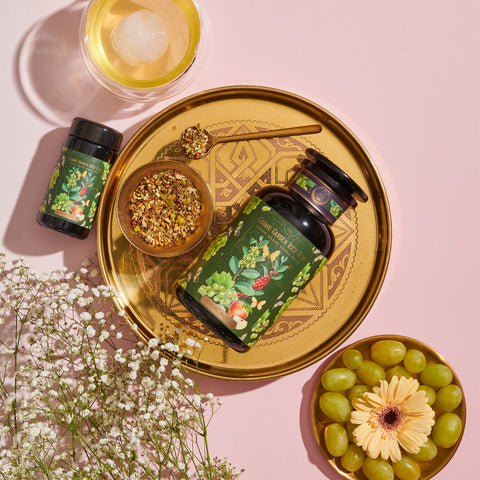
{"x":414,"y":361}
{"x":358,"y":391}
{"x":206,"y":290}
{"x":352,"y":459}
{"x":377,"y":469}
{"x":448,"y":398}
{"x":397,"y":370}
{"x":407,"y":469}
{"x":336,"y":439}
{"x":350,"y":427}
{"x":335,"y":406}
{"x":370,"y":373}
{"x":388,"y":352}
{"x":430,"y":393}
{"x":338,"y":379}
{"x":352,"y":358}
{"x":436,"y":375}
{"x":428,"y":451}
{"x":447,"y":430}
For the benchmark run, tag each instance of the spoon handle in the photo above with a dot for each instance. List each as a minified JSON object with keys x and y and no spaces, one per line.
{"x":281,"y":132}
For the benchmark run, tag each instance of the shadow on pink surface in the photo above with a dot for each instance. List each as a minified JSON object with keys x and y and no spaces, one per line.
{"x":24,"y":236}
{"x":53,"y":79}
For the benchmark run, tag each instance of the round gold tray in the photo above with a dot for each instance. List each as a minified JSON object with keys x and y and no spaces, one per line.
{"x":336,"y":300}
{"x":320,"y":421}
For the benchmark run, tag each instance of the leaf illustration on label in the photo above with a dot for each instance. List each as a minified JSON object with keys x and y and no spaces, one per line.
{"x":250,"y":273}
{"x":233,"y":264}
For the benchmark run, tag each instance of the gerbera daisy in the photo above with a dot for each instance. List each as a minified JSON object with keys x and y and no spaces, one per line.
{"x":395,"y":414}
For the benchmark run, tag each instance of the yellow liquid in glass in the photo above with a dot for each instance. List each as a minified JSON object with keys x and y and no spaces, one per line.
{"x":183,"y":24}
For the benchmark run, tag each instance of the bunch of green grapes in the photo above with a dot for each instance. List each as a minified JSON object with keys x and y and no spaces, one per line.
{"x":220,"y":294}
{"x":358,"y":375}
{"x":62,"y":202}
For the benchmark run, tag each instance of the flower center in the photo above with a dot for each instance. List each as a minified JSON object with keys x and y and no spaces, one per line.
{"x":390,"y":417}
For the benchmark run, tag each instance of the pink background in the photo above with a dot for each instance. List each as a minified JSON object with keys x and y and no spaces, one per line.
{"x":403,"y":76}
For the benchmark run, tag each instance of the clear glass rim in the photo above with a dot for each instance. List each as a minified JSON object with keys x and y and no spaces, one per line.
{"x":150,"y":90}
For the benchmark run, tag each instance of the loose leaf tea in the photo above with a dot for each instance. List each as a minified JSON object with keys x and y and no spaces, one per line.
{"x":165,"y":208}
{"x":195,"y":142}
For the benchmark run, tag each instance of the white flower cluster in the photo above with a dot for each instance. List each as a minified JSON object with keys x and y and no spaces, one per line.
{"x":77,"y":404}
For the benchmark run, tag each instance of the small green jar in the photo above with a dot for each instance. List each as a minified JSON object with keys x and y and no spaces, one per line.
{"x":77,"y":181}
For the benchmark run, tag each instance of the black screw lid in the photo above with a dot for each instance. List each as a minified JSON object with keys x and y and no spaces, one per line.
{"x":335,"y":177}
{"x":96,"y":133}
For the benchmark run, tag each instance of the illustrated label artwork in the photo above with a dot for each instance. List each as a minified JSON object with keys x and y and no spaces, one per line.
{"x":252,"y":272}
{"x":75,"y":187}
{"x":312,"y":190}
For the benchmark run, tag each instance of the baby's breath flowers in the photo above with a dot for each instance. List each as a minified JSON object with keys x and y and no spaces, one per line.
{"x":80,"y":398}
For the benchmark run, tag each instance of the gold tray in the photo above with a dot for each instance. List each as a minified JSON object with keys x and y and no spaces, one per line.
{"x":320,"y":421}
{"x":338,"y":298}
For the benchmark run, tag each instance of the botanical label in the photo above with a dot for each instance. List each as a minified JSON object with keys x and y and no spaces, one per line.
{"x":75,"y":187}
{"x":252,"y":272}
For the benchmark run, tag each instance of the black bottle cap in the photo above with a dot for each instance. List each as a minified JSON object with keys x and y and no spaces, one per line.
{"x":96,"y":133}
{"x":335,"y":177}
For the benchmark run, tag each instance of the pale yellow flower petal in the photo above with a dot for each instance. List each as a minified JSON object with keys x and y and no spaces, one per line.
{"x":404,"y":389}
{"x":391,"y":449}
{"x":361,"y":434}
{"x":376,"y":390}
{"x":385,"y":390}
{"x":395,"y":414}
{"x":358,"y":417}
{"x":394,"y":389}
{"x":411,"y":442}
{"x":416,"y":403}
{"x":369,"y":400}
{"x":360,"y":403}
{"x":373,"y":443}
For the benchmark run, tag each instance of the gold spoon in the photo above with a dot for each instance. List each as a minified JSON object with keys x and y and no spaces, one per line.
{"x":196,"y":141}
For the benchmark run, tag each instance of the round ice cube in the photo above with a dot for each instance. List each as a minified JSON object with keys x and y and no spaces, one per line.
{"x":140,"y":38}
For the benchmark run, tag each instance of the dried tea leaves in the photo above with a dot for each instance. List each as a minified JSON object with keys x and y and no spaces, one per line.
{"x":165,"y":208}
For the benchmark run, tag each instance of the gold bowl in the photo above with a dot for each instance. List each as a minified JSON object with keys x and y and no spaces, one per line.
{"x":164,"y":208}
{"x":320,"y":421}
